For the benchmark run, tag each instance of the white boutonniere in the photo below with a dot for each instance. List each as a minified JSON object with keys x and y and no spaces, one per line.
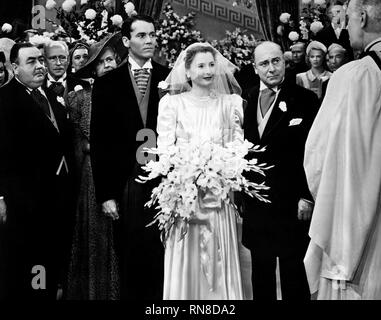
{"x":295,"y":122}
{"x":78,"y":88}
{"x":61,"y":100}
{"x":283,"y":106}
{"x":163,"y":85}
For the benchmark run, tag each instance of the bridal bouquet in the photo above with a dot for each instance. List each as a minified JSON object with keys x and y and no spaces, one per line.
{"x":199,"y":176}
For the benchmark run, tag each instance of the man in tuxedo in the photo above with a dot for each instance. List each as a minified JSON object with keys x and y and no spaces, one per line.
{"x":57,"y":62}
{"x":35,"y":183}
{"x":125,"y":107}
{"x":336,"y":31}
{"x":278,"y":116}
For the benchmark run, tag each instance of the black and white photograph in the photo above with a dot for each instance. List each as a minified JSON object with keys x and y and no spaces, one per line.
{"x":195,"y":151}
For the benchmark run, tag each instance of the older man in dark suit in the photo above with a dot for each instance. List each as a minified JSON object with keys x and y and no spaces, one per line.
{"x":57,"y":78}
{"x":278,"y":116}
{"x":35,"y":184}
{"x":125,"y":106}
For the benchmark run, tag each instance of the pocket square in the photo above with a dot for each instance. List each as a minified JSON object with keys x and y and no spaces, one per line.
{"x":295,"y":122}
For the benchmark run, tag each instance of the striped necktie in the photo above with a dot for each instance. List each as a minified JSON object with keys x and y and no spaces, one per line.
{"x":141,"y":77}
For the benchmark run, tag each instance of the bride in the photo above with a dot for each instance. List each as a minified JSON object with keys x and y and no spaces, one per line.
{"x":203,"y":104}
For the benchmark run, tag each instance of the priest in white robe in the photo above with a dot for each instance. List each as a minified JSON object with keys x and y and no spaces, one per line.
{"x":343,"y":169}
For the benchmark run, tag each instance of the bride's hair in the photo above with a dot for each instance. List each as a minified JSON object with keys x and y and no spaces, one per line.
{"x":191,"y":53}
{"x":224,"y":81}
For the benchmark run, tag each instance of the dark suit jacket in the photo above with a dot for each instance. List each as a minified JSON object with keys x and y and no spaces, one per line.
{"x":31,"y":145}
{"x":284,"y":150}
{"x":115,"y":121}
{"x":31,"y":151}
{"x":327,"y":36}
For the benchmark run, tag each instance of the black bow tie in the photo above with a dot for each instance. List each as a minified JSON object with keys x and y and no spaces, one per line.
{"x":58,"y":88}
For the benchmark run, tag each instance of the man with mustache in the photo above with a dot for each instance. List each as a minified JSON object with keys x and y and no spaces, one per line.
{"x":35,"y":180}
{"x":278,"y":116}
{"x":125,"y":103}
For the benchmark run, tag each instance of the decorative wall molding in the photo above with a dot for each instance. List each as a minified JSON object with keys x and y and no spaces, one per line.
{"x":223,"y":10}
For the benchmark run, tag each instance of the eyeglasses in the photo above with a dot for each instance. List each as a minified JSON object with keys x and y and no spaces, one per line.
{"x":58,"y":58}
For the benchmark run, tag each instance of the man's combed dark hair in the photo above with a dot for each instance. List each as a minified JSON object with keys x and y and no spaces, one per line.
{"x":126,"y":27}
{"x":14,"y":55}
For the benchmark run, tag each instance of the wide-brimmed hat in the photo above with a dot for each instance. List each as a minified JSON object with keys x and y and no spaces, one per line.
{"x":95,"y":50}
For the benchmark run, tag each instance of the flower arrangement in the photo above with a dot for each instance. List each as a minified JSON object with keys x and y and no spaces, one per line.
{"x":175,"y":33}
{"x":90,"y":21}
{"x":313,"y":18}
{"x":204,"y":171}
{"x":237,"y":47}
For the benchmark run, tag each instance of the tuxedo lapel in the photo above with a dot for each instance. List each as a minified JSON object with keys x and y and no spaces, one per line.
{"x":153,"y":99}
{"x":134,"y":89}
{"x":57,"y":108}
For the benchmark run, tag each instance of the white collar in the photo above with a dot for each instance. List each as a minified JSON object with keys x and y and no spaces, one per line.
{"x":312,"y":77}
{"x":262,"y":87}
{"x":376,"y":47}
{"x":61,"y":80}
{"x":134,"y":65}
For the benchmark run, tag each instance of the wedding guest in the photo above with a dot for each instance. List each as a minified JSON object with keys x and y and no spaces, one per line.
{"x":125,"y":103}
{"x":93,"y":272}
{"x":78,"y":56}
{"x":57,"y":61}
{"x":278,"y":117}
{"x":198,"y":112}
{"x":336,"y":31}
{"x":298,"y":65}
{"x":35,"y":180}
{"x":314,"y":78}
{"x":337,"y":56}
{"x":342,"y":163}
{"x":288,"y":59}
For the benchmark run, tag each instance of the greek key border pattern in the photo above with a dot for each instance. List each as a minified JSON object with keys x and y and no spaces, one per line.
{"x":222,"y":12}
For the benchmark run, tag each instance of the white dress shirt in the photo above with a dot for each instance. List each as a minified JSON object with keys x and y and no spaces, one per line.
{"x":50,"y":80}
{"x":135,"y":66}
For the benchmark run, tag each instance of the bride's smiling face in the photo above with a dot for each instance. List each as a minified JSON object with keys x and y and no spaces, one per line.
{"x":202,"y":69}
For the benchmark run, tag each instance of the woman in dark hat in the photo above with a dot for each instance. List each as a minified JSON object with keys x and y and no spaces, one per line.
{"x":78,"y":56}
{"x":93,"y":273}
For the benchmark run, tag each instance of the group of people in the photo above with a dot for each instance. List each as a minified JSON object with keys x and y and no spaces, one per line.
{"x":72,"y":215}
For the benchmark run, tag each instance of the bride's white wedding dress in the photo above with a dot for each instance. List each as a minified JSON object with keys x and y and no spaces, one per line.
{"x":206,"y":263}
